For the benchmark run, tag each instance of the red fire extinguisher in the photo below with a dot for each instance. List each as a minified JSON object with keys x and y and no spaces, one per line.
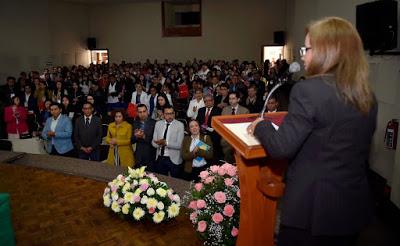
{"x":391,"y":134}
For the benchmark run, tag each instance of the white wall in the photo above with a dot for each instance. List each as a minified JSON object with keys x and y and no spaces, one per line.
{"x":230,"y":29}
{"x":385,"y":79}
{"x":36,"y":33}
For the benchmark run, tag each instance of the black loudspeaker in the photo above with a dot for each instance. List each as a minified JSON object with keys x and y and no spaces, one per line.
{"x":279,"y":37}
{"x":91,"y":43}
{"x":377,"y":24}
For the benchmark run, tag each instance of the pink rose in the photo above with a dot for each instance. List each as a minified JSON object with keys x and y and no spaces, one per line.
{"x":152,"y":210}
{"x":203,"y":174}
{"x":234,"y":232}
{"x":193,"y":205}
{"x":228,"y":210}
{"x":221,"y":171}
{"x":228,"y":182}
{"x":209,"y":180}
{"x":220,"y":197}
{"x":136,"y":198}
{"x":232,"y":171}
{"x":201,"y":204}
{"x":226,"y":166}
{"x":217,"y":218}
{"x":201,"y":226}
{"x":120,"y":200}
{"x":198,"y":186}
{"x":144,"y":186}
{"x":214,"y":168}
{"x":238,"y":193}
{"x":107,"y":190}
{"x":193,"y":216}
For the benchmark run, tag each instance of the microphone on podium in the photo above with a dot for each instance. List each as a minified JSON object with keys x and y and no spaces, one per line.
{"x":293,"y":68}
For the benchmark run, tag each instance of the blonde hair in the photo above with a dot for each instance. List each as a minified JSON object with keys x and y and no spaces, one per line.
{"x":337,"y":49}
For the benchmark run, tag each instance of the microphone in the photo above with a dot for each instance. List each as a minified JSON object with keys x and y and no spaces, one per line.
{"x":293,"y":68}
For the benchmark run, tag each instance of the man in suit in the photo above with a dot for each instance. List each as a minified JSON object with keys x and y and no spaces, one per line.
{"x":167,"y":138}
{"x":233,"y":109}
{"x":88,"y":134}
{"x":204,"y":118}
{"x":253,"y":103}
{"x":222,"y":99}
{"x":58,"y":131}
{"x":143,"y":130}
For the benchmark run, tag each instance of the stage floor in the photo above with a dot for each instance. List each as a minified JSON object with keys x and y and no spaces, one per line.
{"x":50,"y":208}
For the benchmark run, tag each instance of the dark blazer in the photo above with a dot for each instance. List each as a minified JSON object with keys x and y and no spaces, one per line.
{"x":88,"y":136}
{"x":255,"y":107}
{"x":32,"y":102}
{"x":201,"y":115}
{"x":328,"y":144}
{"x":145,"y":153}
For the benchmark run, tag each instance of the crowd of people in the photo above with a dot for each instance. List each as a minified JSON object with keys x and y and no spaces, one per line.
{"x":153,"y":114}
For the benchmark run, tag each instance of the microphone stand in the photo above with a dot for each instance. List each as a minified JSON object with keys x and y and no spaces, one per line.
{"x":279,"y":84}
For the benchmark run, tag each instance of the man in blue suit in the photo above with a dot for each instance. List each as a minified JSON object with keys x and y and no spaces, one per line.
{"x":58,"y":131}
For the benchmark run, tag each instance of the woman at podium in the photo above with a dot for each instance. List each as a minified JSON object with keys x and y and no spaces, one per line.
{"x":326,"y":135}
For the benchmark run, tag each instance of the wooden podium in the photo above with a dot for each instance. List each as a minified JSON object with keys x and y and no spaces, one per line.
{"x":260,"y":181}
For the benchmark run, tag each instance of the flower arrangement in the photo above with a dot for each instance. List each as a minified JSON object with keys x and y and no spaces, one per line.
{"x":214,"y":205}
{"x":142,"y":196}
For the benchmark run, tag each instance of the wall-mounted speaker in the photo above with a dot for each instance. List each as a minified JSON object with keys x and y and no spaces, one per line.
{"x":91,"y":43}
{"x":377,"y":24}
{"x":279,"y":37}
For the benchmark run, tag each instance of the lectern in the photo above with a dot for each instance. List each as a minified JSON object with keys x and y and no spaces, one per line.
{"x":260,"y":179}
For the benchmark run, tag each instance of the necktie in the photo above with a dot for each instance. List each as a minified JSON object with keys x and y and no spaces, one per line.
{"x":233,"y":111}
{"x":165,"y":137}
{"x":87,"y":122}
{"x":137,"y":98}
{"x":206,"y":118}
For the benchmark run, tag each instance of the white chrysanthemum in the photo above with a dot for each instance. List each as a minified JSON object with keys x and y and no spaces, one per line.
{"x":158,"y":217}
{"x":150,"y":192}
{"x":161,"y":192}
{"x":129,"y":197}
{"x":114,"y":196}
{"x":115,"y":207}
{"x":125,"y":208}
{"x":144,"y":200}
{"x":141,"y":171}
{"x":160,"y":205}
{"x":138,"y":213}
{"x":107,"y":201}
{"x":120,"y":183}
{"x":135,"y":182}
{"x":173,"y":210}
{"x":151,"y":203}
{"x":126,"y":187}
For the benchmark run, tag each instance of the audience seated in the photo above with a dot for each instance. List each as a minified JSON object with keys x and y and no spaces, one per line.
{"x":198,"y":90}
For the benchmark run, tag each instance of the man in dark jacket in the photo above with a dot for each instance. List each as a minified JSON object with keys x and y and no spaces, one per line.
{"x":143,"y":129}
{"x":88,"y":134}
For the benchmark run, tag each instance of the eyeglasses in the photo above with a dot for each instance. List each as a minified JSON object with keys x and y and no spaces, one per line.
{"x":303,"y":50}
